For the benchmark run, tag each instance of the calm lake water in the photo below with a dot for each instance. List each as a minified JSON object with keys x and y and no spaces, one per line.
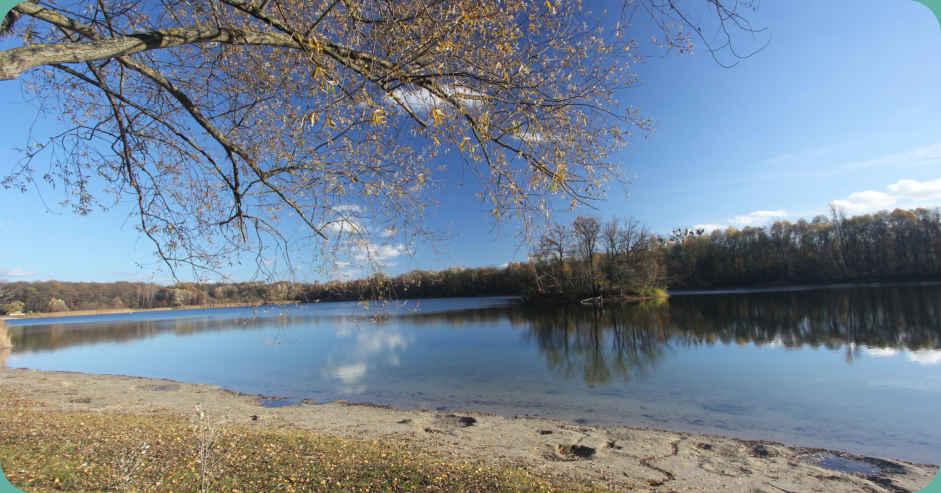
{"x":857,"y":369}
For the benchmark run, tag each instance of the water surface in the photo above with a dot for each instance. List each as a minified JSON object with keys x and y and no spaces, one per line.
{"x":857,"y":369}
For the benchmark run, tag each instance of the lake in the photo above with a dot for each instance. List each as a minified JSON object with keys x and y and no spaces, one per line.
{"x":856,"y":369}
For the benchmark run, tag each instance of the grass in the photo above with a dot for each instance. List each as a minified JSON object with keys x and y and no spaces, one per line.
{"x":43,"y":450}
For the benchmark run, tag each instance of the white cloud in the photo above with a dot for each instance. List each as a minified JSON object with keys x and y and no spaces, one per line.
{"x":504,"y":265}
{"x":881,"y":352}
{"x":350,"y":374}
{"x":419,"y":100}
{"x":925,"y":357}
{"x":378,"y":253}
{"x":531,"y":137}
{"x":387,"y":233}
{"x":755,"y":218}
{"x":914,"y":189}
{"x":758,"y":218}
{"x":346,"y":220}
{"x":867,"y":201}
{"x":709,"y":228}
{"x":905,"y":193}
{"x":920,"y":156}
{"x":345,"y":225}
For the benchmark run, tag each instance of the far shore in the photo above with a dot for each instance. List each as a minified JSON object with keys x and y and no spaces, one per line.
{"x":114,"y":311}
{"x":615,"y":457}
{"x":625,"y":299}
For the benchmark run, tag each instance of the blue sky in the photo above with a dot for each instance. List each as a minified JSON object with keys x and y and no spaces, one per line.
{"x":842,"y":105}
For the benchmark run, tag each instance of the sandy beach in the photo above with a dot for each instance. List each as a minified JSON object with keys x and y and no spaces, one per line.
{"x":616,"y":457}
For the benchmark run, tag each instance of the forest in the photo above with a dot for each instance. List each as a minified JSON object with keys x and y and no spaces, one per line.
{"x":619,"y":258}
{"x":885,"y":246}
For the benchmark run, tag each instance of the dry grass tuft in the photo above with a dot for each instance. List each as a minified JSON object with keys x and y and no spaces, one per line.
{"x":5,"y":341}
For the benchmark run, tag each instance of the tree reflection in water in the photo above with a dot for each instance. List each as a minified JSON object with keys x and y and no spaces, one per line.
{"x":618,"y":341}
{"x":610,"y":342}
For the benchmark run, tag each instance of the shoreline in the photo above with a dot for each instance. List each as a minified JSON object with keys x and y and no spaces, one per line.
{"x":121,"y":311}
{"x":612,"y":456}
{"x":626,"y":299}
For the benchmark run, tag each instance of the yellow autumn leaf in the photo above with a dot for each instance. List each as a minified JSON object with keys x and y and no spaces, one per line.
{"x":379,"y":117}
{"x":437,"y":116}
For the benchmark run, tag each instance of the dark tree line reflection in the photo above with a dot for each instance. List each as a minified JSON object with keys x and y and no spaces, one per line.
{"x":600,"y":344}
{"x":619,"y":341}
{"x":613,"y":342}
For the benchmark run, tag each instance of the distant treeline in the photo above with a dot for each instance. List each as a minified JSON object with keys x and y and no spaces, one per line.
{"x":584,"y":259}
{"x":886,"y":246}
{"x":55,"y":296}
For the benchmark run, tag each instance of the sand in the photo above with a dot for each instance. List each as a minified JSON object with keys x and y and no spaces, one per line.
{"x":617,"y":457}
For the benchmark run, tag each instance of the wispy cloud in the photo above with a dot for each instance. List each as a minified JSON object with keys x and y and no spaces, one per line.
{"x":914,"y":157}
{"x":15,"y":273}
{"x":380,"y":341}
{"x":348,"y":208}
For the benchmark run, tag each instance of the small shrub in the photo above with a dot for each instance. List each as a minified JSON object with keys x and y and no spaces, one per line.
{"x":13,"y":308}
{"x":653,"y":292}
